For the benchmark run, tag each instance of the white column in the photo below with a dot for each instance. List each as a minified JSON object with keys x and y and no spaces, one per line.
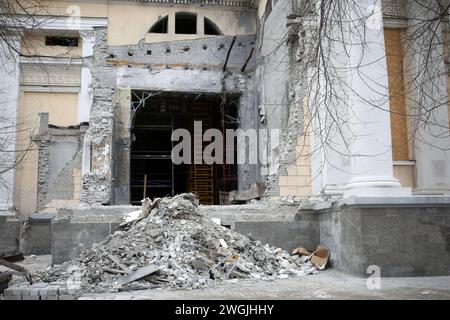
{"x":330,"y":163}
{"x":428,"y":90}
{"x":9,"y":95}
{"x":85,"y":97}
{"x":371,"y":162}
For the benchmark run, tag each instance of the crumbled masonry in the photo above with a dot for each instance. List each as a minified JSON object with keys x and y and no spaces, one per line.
{"x":171,"y":245}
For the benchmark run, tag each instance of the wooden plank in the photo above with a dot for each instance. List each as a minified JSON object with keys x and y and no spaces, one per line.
{"x":116,"y":260}
{"x":139,"y":274}
{"x":13,"y":266}
{"x":17,"y":268}
{"x":113,"y":271}
{"x":145,"y":186}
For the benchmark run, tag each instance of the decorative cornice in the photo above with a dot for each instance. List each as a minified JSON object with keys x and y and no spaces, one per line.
{"x":225,"y":3}
{"x":54,"y":22}
{"x":71,"y":23}
{"x":50,"y":60}
{"x":394,"y":8}
{"x":50,"y":73}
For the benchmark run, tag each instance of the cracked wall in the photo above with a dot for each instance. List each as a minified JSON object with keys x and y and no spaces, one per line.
{"x":58,"y":165}
{"x":97,"y":183}
{"x":281,"y":98}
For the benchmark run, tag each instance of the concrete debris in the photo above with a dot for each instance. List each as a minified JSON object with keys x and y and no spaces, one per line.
{"x":256,"y":192}
{"x":319,"y":258}
{"x":174,"y":246}
{"x":291,"y":201}
{"x":131,"y":217}
{"x":116,"y":260}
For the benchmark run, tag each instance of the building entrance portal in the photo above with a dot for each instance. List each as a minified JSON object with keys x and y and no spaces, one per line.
{"x":152,"y":171}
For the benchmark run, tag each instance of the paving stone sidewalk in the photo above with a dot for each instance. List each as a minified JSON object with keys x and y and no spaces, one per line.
{"x":330,"y":284}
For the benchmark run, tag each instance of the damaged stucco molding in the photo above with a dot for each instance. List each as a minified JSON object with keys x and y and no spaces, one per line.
{"x":58,"y":154}
{"x":43,"y":172}
{"x":42,"y":140}
{"x":96,"y":187}
{"x":292,"y":102}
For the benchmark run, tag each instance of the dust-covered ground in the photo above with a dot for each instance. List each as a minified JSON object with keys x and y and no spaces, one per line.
{"x":329,"y":284}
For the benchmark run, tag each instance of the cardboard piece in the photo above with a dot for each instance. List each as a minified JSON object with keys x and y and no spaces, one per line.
{"x":301,"y":252}
{"x":320,"y":257}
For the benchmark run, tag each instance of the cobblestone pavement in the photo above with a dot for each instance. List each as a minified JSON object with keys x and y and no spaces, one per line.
{"x":329,"y":284}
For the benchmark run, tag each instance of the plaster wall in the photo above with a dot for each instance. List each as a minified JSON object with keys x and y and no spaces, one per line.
{"x":62,"y":109}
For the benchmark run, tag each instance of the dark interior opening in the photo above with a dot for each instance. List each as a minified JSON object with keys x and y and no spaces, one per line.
{"x":211,"y":28}
{"x":61,"y":41}
{"x":154,"y":121}
{"x":160,"y":26}
{"x":185,"y":23}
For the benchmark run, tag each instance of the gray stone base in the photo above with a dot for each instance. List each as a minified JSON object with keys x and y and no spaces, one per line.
{"x":37,"y":237}
{"x":83,"y":226}
{"x":401,"y":241}
{"x":288,"y":235}
{"x":9,"y":234}
{"x":87,"y":226}
{"x":279,"y":226}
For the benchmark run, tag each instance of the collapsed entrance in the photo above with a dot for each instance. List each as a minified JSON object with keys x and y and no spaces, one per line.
{"x":152,"y":171}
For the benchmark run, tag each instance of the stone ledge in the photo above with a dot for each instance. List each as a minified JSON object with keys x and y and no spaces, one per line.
{"x":9,"y":234}
{"x":388,"y":202}
{"x":402,"y":241}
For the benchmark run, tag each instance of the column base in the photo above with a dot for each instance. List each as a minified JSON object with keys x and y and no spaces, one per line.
{"x":9,"y":233}
{"x":383,"y":192}
{"x":386,"y":187}
{"x":373,"y":182}
{"x":334,"y":191}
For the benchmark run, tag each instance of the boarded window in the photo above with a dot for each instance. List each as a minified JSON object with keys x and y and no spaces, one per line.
{"x":160,"y":26}
{"x":397,"y":96}
{"x":185,"y":23}
{"x":61,"y":41}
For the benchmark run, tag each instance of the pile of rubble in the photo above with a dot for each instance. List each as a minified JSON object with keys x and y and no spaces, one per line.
{"x":169,"y":244}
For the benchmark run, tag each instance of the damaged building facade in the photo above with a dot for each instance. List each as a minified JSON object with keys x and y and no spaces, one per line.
{"x":101,"y":86}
